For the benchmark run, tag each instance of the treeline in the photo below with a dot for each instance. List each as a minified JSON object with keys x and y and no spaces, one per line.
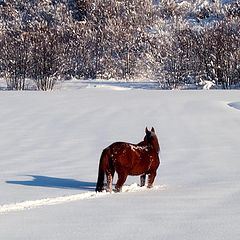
{"x":47,"y":41}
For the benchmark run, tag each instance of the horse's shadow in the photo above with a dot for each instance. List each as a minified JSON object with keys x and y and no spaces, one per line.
{"x":53,"y":182}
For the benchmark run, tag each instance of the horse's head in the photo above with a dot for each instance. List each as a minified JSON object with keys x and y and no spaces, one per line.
{"x":151,"y":139}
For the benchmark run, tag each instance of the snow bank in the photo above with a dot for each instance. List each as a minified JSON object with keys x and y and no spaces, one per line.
{"x":235,"y":105}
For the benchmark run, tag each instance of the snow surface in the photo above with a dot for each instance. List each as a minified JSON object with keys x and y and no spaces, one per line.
{"x":50,"y":148}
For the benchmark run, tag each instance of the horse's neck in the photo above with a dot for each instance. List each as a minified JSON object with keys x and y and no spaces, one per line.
{"x":142,"y":143}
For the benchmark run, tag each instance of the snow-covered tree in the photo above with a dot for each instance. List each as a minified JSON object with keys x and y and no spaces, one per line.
{"x":174,"y":42}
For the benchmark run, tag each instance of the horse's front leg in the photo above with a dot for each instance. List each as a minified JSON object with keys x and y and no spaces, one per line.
{"x":151,"y":178}
{"x":121,"y":180}
{"x":142,"y":180}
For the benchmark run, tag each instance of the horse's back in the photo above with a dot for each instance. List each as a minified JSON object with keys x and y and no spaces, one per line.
{"x":119,"y":147}
{"x":121,"y":154}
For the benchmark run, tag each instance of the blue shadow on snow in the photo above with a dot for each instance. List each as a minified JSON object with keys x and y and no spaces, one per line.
{"x":52,"y":182}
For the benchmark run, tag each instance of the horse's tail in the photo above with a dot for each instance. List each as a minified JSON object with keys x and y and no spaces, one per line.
{"x":103,"y":167}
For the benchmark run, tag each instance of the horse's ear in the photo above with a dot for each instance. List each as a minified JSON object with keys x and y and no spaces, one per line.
{"x":153,"y":130}
{"x":146,"y":130}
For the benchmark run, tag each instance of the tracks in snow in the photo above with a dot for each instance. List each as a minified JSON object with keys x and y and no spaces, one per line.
{"x":27,"y":205}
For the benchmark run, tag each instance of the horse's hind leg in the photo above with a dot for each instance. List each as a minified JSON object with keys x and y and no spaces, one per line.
{"x":109,"y":182}
{"x":151,"y":178}
{"x":121,"y":180}
{"x":142,"y":180}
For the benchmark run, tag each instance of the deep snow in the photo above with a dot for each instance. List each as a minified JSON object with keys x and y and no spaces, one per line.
{"x":50,"y":147}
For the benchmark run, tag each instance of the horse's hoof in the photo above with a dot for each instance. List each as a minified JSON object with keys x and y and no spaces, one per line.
{"x":117,"y":190}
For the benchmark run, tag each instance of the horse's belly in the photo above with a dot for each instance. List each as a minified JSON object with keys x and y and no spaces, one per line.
{"x":139,"y":169}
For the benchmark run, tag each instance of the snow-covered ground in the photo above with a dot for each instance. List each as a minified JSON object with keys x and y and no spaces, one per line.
{"x":49,"y":152}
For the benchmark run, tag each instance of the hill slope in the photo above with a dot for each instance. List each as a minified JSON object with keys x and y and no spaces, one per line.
{"x":50,"y":147}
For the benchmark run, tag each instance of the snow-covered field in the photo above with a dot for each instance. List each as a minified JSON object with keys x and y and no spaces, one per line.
{"x":49,"y":152}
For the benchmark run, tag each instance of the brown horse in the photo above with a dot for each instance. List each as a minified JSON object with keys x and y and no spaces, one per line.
{"x":129,"y":159}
